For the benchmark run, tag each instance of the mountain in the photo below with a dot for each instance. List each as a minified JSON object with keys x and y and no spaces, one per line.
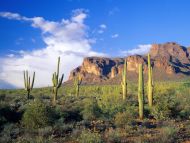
{"x":170,"y":61}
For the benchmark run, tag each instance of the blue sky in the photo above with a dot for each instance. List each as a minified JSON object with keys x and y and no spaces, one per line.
{"x":104,"y":28}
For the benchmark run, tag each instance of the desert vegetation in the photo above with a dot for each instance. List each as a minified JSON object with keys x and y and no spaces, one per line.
{"x":130,"y":112}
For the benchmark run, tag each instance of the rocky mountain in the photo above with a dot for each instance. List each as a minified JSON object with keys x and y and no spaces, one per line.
{"x":170,"y":61}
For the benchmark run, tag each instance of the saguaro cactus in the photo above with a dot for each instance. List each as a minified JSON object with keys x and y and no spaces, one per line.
{"x":150,"y":83}
{"x":141,"y":92}
{"x":77,"y":84}
{"x":56,"y":82}
{"x":27,"y":83}
{"x":124,"y":80}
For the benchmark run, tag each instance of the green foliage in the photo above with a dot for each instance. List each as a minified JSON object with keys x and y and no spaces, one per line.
{"x":91,"y":110}
{"x":28,"y":84}
{"x":77,"y":83}
{"x":9,"y":131}
{"x":36,"y":115}
{"x":141,"y":92}
{"x":123,"y":119}
{"x":57,"y":82}
{"x":111,"y":104}
{"x":124,"y":80}
{"x":89,"y":137}
{"x":166,"y":107}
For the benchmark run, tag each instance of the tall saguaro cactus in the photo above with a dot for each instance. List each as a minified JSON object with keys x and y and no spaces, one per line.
{"x":141,"y":92}
{"x":77,"y":84}
{"x":150,"y":83}
{"x":56,"y":82}
{"x":124,"y":80}
{"x":27,"y":83}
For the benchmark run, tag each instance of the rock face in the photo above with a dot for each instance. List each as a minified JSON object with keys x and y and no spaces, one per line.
{"x":169,"y":60}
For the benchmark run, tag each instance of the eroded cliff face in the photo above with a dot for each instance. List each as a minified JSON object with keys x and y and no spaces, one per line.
{"x":167,"y":59}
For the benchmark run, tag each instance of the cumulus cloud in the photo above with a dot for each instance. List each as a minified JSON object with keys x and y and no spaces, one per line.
{"x":67,"y":38}
{"x":115,"y":36}
{"x":139,"y":50}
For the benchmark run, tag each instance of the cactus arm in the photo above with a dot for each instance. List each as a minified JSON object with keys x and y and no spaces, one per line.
{"x":29,"y":83}
{"x":57,"y":82}
{"x":27,"y":80}
{"x":58,"y":63}
{"x":25,"y":85}
{"x":80,"y":80}
{"x":60,"y":81}
{"x":33,"y":81}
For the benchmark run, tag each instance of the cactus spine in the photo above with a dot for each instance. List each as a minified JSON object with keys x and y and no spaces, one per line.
{"x":56,"y":82}
{"x":27,"y":84}
{"x":150,"y":83}
{"x":77,"y":84}
{"x":141,"y":92}
{"x":124,"y":80}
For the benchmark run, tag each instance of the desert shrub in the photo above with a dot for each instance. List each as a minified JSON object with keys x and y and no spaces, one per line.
{"x":184,"y":99}
{"x":89,"y":137}
{"x":36,"y":115}
{"x":125,"y":118}
{"x":8,"y":114}
{"x":115,"y":136}
{"x":167,"y":134}
{"x":10,"y":132}
{"x":166,"y":107}
{"x":71,"y":108}
{"x":36,"y":139}
{"x":91,"y":109}
{"x":45,"y":132}
{"x":111,"y":104}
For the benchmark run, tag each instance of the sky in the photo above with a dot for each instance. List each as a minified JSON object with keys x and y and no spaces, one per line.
{"x":34,"y":33}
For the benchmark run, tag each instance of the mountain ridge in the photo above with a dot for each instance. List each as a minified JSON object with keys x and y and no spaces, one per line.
{"x":169,"y":61}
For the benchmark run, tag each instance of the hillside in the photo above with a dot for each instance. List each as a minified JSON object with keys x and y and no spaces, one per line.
{"x":170,"y":61}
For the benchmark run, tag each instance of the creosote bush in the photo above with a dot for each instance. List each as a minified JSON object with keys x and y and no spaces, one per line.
{"x":36,"y":115}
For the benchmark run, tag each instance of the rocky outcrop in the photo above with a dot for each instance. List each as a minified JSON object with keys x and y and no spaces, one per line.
{"x":169,"y":59}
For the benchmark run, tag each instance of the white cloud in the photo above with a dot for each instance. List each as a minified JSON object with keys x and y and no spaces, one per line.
{"x":66,"y":38}
{"x":115,"y":36}
{"x":103,"y":26}
{"x":100,"y":31}
{"x":140,"y":50}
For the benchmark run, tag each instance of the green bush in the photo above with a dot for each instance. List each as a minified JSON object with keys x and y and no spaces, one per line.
{"x":91,"y":110}
{"x":111,"y":104}
{"x":36,"y":115}
{"x":89,"y":137}
{"x":125,"y":118}
{"x":166,"y":107}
